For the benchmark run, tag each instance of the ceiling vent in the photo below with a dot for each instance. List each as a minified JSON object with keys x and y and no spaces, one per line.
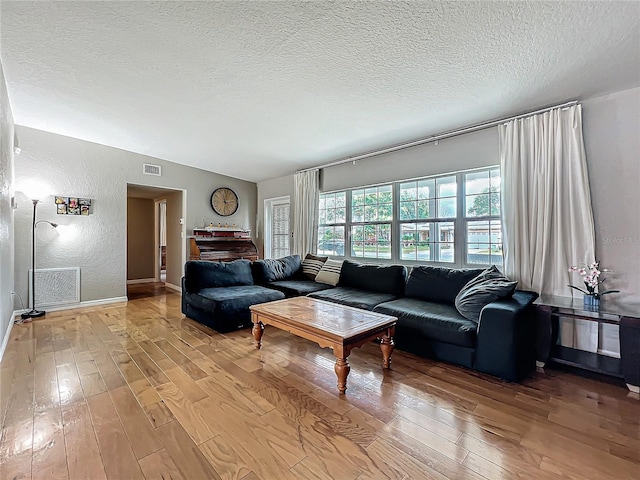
{"x":148,"y":169}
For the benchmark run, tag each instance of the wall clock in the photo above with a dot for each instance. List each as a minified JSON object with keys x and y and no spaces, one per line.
{"x":224,"y":201}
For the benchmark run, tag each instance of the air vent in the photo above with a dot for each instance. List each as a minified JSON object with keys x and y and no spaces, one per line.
{"x":149,"y":169}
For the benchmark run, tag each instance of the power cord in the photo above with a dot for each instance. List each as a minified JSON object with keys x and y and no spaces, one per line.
{"x":20,"y":320}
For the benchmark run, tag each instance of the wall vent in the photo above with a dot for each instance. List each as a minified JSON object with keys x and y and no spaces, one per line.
{"x":149,"y":169}
{"x":56,"y":286}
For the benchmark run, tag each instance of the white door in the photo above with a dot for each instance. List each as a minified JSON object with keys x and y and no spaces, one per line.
{"x":277,"y":235}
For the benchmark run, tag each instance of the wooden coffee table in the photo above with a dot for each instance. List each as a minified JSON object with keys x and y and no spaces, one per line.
{"x":329,"y":325}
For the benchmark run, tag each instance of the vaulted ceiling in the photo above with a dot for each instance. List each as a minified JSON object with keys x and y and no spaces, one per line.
{"x":256,"y":90}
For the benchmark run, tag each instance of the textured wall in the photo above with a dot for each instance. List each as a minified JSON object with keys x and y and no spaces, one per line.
{"x":97,"y":243}
{"x":612,"y":141}
{"x":141,"y":254}
{"x":6,"y":212}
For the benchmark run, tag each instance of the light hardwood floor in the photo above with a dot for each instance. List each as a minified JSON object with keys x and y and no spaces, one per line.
{"x":136,"y":390}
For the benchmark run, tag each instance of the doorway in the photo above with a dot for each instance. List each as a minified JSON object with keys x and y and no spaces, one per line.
{"x":156,"y":250}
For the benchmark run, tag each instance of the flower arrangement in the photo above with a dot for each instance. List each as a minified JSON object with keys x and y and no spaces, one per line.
{"x":591,"y":273}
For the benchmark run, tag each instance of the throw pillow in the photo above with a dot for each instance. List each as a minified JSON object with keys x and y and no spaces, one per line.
{"x":311,"y":265}
{"x":487,"y":287}
{"x":330,"y":272}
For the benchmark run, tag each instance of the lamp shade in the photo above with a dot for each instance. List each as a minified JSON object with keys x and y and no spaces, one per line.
{"x":34,"y":189}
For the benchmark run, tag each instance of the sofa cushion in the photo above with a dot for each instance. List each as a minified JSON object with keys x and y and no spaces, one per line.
{"x":200,"y":274}
{"x":272,"y":269}
{"x":487,"y":287}
{"x":353,"y":297}
{"x":438,"y":284}
{"x":436,"y":321}
{"x":389,"y":279}
{"x":330,"y":272}
{"x":230,"y":301}
{"x":311,"y":265}
{"x":296,"y":288}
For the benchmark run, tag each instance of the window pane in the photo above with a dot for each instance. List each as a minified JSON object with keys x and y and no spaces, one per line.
{"x":371,"y":196}
{"x":330,"y":200}
{"x":447,"y":207}
{"x":426,"y":189}
{"x":385,"y":194}
{"x":357,"y":197}
{"x":495,"y":204}
{"x":407,"y":210}
{"x":423,"y":209}
{"x":495,"y":180}
{"x":341,"y":215}
{"x":478,"y":205}
{"x":447,"y":186}
{"x":331,"y":241}
{"x":476,"y":182}
{"x":484,"y":242}
{"x":322,"y":217}
{"x":442,"y":249}
{"x":341,"y":199}
{"x":357,"y":241}
{"x":385,"y":212}
{"x":357,"y":214}
{"x":408,"y":191}
{"x":331,"y":216}
{"x":370,"y":213}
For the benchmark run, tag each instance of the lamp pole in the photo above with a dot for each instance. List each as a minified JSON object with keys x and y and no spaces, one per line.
{"x":35,"y":313}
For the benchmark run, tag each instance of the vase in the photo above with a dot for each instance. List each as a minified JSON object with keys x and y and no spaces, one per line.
{"x":591,"y":301}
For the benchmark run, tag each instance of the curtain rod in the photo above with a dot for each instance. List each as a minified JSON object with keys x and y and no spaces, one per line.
{"x":441,"y":136}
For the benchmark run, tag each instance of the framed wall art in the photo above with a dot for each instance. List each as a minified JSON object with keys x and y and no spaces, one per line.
{"x":73,"y":206}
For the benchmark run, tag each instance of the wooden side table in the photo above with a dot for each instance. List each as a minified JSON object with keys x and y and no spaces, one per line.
{"x":549,"y":310}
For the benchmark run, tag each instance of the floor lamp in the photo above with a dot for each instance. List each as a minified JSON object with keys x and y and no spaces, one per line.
{"x":33,"y":313}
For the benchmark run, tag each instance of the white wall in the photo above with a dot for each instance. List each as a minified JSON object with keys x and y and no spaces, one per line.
{"x":612,"y":141}
{"x":97,"y":243}
{"x":277,"y":187}
{"x":6,"y":212}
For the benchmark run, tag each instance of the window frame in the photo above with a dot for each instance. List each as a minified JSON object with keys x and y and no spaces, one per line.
{"x":460,"y":222}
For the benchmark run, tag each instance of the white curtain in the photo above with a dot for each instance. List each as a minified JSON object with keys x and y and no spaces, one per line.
{"x":546,"y":206}
{"x":305,"y":219}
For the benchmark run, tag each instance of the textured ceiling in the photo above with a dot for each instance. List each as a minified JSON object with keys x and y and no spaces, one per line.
{"x":256,"y":90}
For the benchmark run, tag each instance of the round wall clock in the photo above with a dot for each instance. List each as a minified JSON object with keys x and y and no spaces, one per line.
{"x":224,"y":201}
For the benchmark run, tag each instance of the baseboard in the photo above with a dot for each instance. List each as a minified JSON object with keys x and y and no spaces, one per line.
{"x":89,"y":303}
{"x":141,"y":280}
{"x":5,"y":340}
{"x":173,"y":287}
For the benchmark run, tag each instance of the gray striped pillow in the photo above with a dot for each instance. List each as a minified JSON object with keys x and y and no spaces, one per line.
{"x":330,"y":272}
{"x":311,"y":265}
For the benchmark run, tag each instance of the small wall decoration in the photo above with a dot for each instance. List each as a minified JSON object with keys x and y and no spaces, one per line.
{"x":73,"y":206}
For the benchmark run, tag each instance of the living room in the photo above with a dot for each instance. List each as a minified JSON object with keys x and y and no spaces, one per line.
{"x":243,"y":95}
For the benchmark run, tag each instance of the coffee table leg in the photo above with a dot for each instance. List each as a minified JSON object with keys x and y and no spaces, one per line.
{"x":342,"y":369}
{"x":386,"y":345}
{"x":258,"y":330}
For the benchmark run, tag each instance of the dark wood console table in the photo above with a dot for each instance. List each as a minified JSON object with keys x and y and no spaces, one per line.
{"x":549,"y":310}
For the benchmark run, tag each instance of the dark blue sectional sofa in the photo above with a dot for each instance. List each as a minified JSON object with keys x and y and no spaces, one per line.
{"x":501,"y":343}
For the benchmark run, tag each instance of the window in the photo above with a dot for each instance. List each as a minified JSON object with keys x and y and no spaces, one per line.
{"x":277,"y":232}
{"x":482,"y":217}
{"x":451,"y":219}
{"x":371,"y":217}
{"x":429,"y":205}
{"x":331,"y":226}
